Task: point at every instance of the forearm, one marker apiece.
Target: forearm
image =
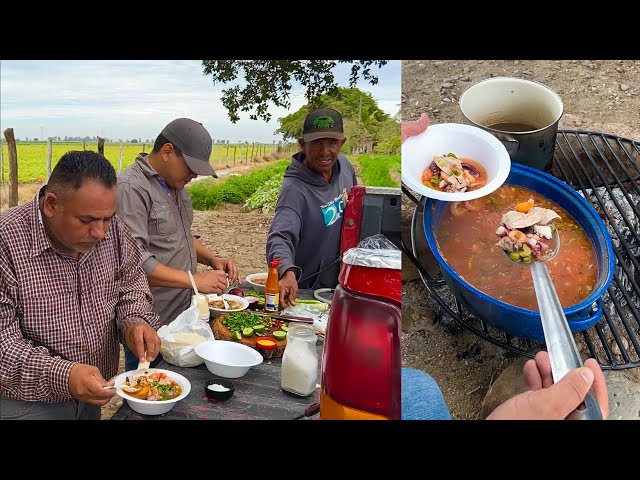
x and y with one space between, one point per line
203 254
283 238
163 276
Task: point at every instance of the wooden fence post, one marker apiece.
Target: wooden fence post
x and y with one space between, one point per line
227 159
234 155
101 146
13 167
120 163
84 145
143 148
49 155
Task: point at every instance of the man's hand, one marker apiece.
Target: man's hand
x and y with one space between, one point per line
228 265
143 341
86 384
545 400
288 289
414 127
211 281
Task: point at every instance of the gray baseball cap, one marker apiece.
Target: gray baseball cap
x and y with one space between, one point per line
195 143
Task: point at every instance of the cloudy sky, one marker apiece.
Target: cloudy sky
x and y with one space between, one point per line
135 99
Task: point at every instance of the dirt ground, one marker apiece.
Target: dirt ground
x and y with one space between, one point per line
601 96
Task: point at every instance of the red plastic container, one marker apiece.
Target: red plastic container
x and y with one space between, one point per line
361 360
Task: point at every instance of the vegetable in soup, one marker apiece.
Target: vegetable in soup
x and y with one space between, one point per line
467 240
448 173
156 386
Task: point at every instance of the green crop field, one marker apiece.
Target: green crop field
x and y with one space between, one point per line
32 156
378 171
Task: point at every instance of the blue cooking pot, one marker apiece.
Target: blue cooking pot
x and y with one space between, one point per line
517 321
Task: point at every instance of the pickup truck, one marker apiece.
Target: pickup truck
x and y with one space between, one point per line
361 362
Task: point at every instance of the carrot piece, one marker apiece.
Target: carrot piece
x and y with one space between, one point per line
524 207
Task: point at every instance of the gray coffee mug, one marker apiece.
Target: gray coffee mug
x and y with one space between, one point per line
522 114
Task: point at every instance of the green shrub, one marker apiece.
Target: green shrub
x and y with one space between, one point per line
210 193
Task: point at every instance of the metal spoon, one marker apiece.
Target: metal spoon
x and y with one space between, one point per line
561 346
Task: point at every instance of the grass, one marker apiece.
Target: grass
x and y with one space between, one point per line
210 193
375 171
32 163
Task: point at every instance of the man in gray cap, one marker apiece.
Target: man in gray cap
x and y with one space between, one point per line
155 206
306 229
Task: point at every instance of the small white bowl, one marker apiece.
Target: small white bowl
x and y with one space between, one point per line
250 280
464 141
148 407
228 359
227 297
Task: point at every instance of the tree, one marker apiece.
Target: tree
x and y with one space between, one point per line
269 81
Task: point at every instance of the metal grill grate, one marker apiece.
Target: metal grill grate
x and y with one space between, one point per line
604 169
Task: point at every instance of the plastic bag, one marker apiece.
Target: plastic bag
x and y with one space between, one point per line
320 319
377 242
180 337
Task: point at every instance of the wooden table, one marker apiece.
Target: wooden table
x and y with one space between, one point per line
257 394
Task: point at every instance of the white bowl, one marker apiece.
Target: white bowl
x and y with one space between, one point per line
148 407
228 359
258 288
464 141
227 297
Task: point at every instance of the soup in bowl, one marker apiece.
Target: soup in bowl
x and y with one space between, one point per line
463 238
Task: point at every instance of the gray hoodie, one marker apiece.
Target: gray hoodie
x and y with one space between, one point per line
306 230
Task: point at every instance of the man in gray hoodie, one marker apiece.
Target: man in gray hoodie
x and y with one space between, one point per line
306 230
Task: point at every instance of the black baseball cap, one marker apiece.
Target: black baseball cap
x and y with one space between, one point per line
323 123
195 143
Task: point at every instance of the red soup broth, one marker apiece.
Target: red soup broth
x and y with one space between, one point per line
467 236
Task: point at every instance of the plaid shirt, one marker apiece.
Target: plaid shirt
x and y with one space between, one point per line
56 310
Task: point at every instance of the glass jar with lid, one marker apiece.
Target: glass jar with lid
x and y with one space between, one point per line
300 360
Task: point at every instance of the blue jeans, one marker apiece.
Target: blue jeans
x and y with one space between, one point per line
131 361
421 397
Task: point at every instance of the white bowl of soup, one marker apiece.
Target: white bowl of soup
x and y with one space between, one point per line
234 303
481 164
153 391
257 281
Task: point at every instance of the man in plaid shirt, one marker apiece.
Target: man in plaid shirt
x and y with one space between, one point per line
72 289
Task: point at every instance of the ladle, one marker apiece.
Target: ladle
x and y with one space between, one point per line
561 345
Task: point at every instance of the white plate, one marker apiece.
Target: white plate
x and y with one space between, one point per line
227 297
462 140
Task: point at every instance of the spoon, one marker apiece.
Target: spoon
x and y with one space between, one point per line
561 346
